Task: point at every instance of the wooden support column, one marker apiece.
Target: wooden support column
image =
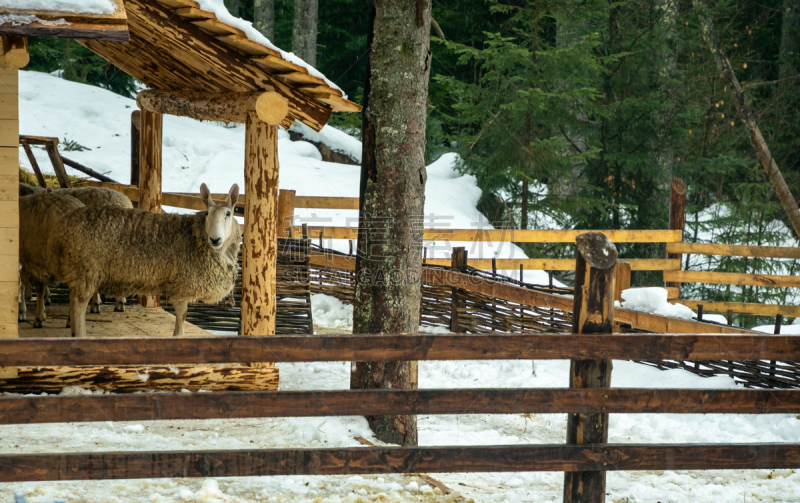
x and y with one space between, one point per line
593 313
260 246
286 205
150 136
58 164
9 201
15 52
458 262
677 219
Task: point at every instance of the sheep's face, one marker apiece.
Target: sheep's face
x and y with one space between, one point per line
219 220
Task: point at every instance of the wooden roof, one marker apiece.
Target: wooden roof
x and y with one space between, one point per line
80 25
174 45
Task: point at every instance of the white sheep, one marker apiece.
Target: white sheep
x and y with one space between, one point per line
89 196
40 215
129 251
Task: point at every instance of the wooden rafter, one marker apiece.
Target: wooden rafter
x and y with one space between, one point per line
169 52
75 25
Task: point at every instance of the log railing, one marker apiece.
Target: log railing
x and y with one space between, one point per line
373 460
727 278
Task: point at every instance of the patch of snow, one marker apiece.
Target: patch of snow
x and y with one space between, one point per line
654 300
20 19
134 428
305 149
75 6
330 312
792 329
219 9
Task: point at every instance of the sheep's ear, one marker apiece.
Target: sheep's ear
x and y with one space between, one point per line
206 195
233 196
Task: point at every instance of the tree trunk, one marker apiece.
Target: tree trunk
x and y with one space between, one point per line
264 17
790 40
304 32
233 7
389 262
748 116
665 148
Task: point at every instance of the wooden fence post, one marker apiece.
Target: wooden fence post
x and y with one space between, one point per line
285 212
136 120
593 313
623 279
150 133
458 262
677 219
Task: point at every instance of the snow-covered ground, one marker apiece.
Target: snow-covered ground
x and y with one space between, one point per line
197 152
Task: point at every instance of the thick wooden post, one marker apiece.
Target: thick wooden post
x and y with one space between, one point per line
285 213
593 313
458 262
260 247
677 218
150 135
136 120
623 279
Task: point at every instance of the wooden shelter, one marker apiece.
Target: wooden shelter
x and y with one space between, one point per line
196 66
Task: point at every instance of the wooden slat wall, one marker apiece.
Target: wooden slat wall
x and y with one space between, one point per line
9 204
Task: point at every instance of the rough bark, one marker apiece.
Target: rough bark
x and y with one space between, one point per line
790 39
747 115
304 31
264 17
389 262
232 6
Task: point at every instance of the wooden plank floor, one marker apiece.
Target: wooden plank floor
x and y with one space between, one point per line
136 321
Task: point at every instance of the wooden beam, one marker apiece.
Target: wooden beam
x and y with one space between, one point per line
114 33
58 165
593 313
623 279
286 205
34 163
151 127
561 264
260 249
734 250
732 278
15 52
252 404
381 460
742 307
269 106
305 348
130 378
512 235
87 170
136 122
336 203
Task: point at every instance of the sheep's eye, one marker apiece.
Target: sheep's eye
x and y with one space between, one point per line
227 214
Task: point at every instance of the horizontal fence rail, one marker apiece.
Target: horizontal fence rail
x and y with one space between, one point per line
252 404
391 347
734 250
383 460
732 278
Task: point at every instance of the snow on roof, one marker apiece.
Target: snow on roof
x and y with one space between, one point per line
61 6
219 9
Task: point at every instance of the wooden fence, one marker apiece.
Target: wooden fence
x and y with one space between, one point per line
671 265
599 457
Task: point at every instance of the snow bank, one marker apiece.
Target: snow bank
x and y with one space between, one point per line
330 312
337 141
654 300
76 6
218 8
793 329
